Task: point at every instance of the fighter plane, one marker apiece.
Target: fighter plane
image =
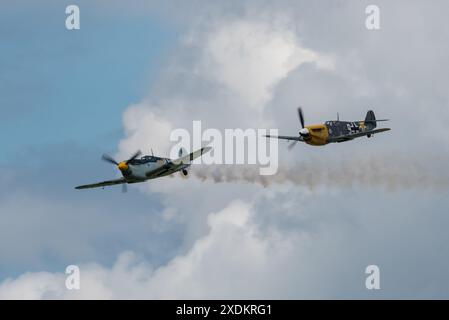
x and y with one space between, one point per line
334 131
136 170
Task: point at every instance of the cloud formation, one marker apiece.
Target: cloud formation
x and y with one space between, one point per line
282 244
381 201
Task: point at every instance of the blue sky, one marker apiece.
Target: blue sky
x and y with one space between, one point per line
62 95
59 85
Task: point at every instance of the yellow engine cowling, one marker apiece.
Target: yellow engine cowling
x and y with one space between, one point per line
319 135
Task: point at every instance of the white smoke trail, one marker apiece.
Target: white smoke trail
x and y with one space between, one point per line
398 173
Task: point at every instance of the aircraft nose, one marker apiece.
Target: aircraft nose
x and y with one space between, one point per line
123 166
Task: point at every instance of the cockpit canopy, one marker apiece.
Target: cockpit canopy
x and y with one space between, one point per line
145 159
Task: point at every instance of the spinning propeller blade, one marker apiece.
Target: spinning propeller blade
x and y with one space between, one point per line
135 155
109 159
291 145
301 117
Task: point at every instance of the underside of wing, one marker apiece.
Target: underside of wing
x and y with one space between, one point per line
102 184
164 170
357 135
290 138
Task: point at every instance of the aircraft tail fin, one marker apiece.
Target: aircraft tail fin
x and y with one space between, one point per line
371 121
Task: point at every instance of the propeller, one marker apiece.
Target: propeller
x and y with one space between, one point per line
291 145
122 166
109 159
301 117
135 155
304 130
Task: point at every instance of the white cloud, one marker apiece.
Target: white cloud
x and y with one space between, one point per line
205 270
251 56
246 58
247 70
281 245
146 128
32 286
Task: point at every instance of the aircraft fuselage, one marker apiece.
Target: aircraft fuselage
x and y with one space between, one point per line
142 169
322 134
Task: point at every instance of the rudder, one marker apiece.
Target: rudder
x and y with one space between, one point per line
370 119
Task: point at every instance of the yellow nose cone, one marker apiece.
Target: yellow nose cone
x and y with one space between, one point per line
123 166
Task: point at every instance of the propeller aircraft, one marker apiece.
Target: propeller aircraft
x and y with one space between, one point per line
334 131
135 170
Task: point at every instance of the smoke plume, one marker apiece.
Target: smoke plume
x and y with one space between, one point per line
392 174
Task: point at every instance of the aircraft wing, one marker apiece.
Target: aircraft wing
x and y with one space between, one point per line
297 138
357 135
166 169
175 165
190 157
102 184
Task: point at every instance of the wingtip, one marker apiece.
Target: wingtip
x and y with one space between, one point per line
206 149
